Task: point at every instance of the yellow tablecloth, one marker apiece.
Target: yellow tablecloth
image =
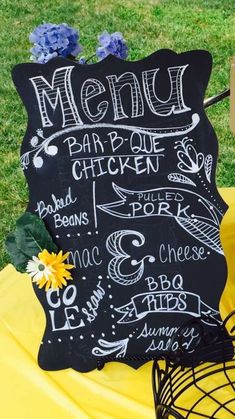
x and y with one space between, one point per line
27 392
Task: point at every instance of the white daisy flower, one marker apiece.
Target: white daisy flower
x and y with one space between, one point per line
38 269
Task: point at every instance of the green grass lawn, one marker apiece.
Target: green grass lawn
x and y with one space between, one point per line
147 26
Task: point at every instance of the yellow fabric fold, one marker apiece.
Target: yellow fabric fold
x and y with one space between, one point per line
116 392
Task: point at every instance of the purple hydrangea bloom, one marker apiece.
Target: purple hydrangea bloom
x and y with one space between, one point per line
113 43
52 40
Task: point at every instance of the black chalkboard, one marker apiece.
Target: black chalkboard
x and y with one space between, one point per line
120 160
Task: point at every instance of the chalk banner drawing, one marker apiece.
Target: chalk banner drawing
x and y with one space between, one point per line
120 161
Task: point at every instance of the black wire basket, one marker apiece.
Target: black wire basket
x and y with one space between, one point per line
198 382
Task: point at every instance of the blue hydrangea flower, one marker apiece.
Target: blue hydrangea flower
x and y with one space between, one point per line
52 40
113 43
82 60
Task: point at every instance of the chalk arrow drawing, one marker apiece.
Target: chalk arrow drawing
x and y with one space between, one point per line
204 226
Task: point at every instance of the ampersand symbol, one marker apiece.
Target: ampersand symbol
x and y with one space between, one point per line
114 246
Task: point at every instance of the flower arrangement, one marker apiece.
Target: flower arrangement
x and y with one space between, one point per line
49 269
32 250
50 40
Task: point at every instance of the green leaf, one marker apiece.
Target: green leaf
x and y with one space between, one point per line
18 258
32 236
29 238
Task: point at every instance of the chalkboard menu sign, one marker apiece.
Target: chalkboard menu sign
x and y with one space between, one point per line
120 161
